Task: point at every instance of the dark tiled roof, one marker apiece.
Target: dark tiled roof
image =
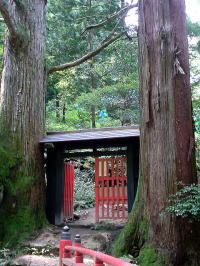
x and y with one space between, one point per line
91 134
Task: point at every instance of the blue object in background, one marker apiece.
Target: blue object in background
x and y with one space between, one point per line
103 114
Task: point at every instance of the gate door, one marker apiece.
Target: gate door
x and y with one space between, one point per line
69 190
111 188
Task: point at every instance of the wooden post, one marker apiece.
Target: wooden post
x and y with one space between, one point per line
64 241
78 255
133 171
59 161
55 185
51 184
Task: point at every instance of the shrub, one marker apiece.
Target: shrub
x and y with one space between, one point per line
185 203
84 189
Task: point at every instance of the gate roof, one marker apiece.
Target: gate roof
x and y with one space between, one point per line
91 134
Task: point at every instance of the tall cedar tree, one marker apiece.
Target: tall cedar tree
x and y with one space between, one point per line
166 136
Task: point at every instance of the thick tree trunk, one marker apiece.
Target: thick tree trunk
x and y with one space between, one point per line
166 136
22 101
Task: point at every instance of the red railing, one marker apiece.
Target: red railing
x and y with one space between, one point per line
74 255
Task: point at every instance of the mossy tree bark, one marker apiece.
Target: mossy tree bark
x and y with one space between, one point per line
166 137
22 108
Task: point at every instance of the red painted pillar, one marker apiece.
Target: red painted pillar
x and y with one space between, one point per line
78 255
64 241
98 262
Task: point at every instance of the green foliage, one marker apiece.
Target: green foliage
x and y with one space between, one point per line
198 155
46 251
84 189
148 257
194 47
104 225
129 258
185 203
2 33
65 42
75 119
66 22
120 100
193 28
6 257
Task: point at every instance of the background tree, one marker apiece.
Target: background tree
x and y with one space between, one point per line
83 26
194 49
116 77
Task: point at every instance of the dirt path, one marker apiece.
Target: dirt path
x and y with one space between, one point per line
87 218
43 247
35 260
46 242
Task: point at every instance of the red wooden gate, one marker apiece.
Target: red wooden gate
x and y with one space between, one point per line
111 188
69 190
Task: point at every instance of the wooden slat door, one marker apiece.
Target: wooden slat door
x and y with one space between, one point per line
68 209
111 188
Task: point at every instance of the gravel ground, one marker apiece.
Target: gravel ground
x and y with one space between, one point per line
51 236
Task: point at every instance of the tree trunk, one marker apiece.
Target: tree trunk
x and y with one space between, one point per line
166 136
22 102
64 113
57 109
93 115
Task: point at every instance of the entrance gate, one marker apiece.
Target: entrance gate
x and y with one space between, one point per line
111 188
68 206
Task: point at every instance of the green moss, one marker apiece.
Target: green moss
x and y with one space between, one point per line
143 231
18 226
148 257
23 182
20 210
120 247
9 160
134 234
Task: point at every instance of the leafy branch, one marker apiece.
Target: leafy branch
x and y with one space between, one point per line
111 17
185 203
85 57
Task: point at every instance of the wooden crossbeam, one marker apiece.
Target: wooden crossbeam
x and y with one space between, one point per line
94 154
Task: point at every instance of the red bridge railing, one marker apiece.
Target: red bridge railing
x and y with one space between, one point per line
74 255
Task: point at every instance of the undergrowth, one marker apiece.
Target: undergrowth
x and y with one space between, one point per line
84 187
185 203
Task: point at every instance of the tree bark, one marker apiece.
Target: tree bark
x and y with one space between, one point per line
166 136
22 101
64 113
57 108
